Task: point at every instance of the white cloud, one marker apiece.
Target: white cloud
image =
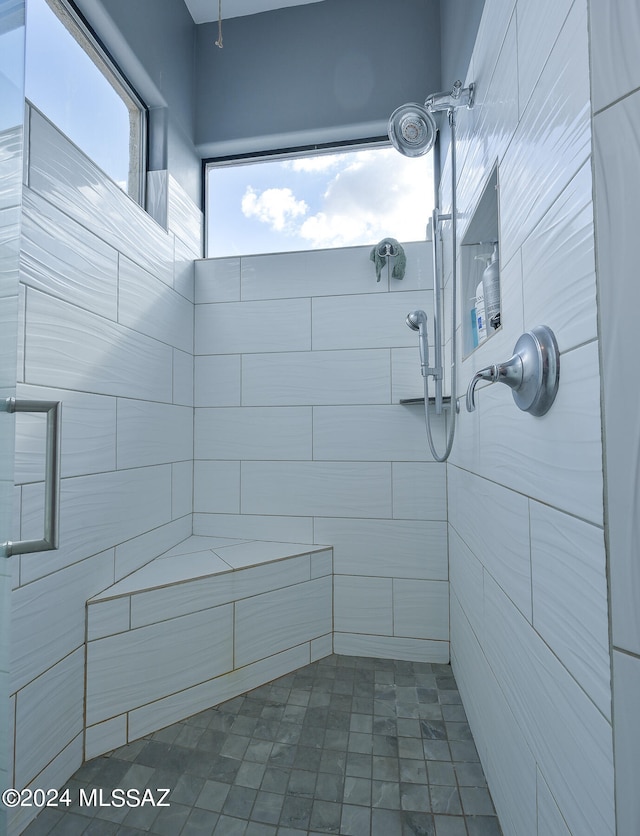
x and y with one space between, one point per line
368 200
368 195
276 207
319 162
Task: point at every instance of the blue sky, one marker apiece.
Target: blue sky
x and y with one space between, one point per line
64 83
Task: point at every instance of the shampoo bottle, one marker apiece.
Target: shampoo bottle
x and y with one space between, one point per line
480 314
491 290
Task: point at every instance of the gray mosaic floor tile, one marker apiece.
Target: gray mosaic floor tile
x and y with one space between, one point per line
347 745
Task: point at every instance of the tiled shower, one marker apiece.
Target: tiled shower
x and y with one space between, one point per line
259 398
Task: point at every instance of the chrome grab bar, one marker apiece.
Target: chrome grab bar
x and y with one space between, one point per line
52 475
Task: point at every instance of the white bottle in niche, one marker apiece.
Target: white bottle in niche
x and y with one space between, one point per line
491 290
480 315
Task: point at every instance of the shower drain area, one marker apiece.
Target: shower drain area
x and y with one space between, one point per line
204 622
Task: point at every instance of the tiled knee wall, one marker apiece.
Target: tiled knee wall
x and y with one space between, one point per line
158 653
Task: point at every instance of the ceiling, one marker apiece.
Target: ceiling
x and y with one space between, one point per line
204 11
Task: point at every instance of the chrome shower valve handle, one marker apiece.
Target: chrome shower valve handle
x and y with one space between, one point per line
533 372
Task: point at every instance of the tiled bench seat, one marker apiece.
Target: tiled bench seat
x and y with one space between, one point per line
204 622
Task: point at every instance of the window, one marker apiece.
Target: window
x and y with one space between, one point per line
71 79
312 200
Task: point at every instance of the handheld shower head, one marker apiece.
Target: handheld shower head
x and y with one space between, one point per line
412 130
417 321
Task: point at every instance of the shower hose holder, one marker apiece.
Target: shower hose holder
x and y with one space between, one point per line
533 372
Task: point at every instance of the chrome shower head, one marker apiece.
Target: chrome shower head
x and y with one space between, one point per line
412 130
415 319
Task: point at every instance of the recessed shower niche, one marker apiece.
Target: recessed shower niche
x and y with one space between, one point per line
480 263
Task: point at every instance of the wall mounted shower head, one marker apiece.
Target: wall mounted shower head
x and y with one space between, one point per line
417 321
412 130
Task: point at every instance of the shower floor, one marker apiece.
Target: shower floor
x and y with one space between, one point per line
348 745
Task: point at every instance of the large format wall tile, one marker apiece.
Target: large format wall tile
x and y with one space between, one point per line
615 34
62 174
556 458
363 605
184 271
563 727
138 550
391 647
152 433
88 434
617 207
421 609
558 264
185 703
237 327
419 490
550 818
216 485
182 489
276 621
369 433
320 273
406 379
289 529
37 642
508 762
166 602
73 349
569 589
386 548
44 726
502 546
553 138
217 280
133 668
217 379
96 512
538 27
253 433
60 257
182 376
466 576
338 489
485 132
626 679
147 305
371 321
316 377
54 774
184 218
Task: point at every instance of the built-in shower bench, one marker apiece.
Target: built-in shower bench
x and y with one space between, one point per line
200 624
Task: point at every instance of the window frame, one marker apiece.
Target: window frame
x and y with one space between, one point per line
85 36
294 152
